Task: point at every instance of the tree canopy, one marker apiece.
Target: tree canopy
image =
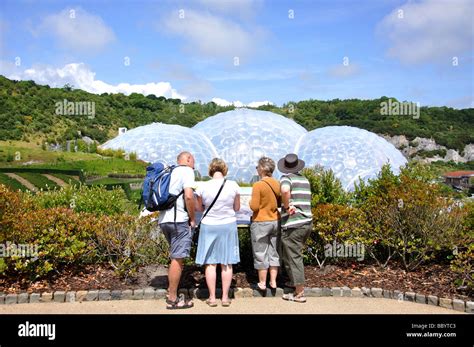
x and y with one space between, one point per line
27 111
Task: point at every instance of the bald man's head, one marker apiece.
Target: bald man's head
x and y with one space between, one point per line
185 158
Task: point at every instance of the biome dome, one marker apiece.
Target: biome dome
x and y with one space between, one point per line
163 142
350 152
243 136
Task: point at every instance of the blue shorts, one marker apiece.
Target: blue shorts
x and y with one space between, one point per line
179 237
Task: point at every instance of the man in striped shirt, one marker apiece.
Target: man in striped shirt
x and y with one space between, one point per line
296 222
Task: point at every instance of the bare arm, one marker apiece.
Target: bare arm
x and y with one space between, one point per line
237 203
199 206
285 196
189 201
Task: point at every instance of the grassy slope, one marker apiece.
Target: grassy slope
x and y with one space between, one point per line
66 178
92 164
11 183
38 180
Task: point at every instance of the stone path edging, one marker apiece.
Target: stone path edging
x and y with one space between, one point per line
151 293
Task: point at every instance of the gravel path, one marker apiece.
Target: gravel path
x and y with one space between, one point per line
322 305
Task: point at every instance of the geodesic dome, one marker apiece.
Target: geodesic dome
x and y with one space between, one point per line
163 142
243 136
350 152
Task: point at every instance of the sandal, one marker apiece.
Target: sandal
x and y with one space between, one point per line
211 303
175 305
296 298
226 303
262 288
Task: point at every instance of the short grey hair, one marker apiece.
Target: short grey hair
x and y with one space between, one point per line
267 165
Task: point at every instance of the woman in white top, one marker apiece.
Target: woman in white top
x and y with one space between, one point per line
218 239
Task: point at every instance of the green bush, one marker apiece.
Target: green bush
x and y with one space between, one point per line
63 237
57 237
334 225
408 217
127 243
463 262
92 199
325 187
245 249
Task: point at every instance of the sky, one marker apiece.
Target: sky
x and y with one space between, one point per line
246 52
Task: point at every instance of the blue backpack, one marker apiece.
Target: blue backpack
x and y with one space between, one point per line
155 194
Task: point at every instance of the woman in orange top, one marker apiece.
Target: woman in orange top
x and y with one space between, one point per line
265 228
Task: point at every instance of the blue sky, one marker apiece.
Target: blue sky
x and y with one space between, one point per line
248 51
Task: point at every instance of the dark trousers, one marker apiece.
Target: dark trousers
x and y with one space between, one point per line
293 241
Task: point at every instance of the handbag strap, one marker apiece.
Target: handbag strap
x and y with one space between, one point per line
212 203
276 196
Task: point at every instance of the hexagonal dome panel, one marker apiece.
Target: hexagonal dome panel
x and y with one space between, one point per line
350 152
163 142
243 136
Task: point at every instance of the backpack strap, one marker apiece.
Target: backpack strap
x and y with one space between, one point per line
212 203
176 205
175 208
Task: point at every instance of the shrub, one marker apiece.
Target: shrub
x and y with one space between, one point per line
245 249
463 262
64 236
10 204
334 225
111 152
325 187
60 237
408 216
127 243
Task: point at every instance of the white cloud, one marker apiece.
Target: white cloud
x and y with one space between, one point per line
259 103
429 30
223 102
80 76
214 36
244 8
344 71
77 29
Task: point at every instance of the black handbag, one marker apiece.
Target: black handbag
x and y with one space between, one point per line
198 227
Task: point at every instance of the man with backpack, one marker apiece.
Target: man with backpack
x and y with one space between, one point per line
177 224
